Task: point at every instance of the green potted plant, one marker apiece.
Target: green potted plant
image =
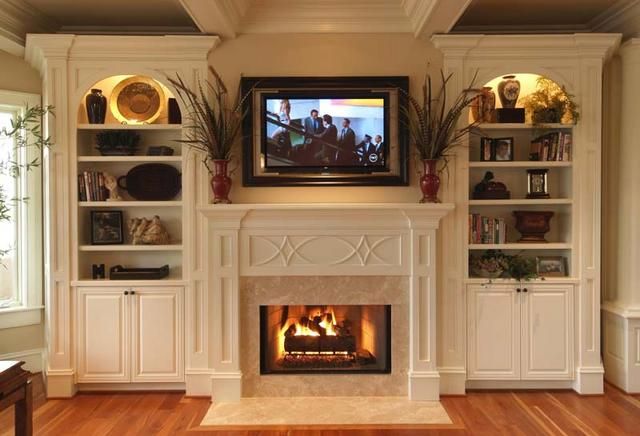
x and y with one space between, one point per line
26 132
213 127
550 103
521 268
432 125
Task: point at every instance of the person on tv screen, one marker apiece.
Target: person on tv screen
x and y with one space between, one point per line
313 123
362 148
375 154
284 116
347 143
328 136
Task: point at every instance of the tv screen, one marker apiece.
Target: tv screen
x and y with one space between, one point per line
345 132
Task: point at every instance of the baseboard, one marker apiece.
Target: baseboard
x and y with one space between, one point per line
424 386
226 387
452 380
519 384
131 387
33 359
198 383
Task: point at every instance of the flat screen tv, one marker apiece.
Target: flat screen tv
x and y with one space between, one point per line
325 131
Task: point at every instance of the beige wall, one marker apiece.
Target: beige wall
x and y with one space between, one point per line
17 75
326 55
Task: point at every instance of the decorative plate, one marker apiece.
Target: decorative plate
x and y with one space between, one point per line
137 100
152 182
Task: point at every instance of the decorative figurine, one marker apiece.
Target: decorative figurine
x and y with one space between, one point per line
489 190
148 232
111 183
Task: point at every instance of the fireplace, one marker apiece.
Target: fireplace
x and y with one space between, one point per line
316 339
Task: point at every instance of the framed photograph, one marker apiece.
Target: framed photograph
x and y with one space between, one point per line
107 227
310 131
502 149
551 266
486 149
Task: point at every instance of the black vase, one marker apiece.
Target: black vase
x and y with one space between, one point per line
96 104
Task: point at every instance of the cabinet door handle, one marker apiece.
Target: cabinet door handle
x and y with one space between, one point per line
133 292
126 292
518 289
525 290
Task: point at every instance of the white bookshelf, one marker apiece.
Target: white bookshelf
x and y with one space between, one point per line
131 248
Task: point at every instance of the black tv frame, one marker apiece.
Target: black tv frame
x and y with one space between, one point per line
254 174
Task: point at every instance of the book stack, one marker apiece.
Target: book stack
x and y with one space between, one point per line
554 146
486 230
91 186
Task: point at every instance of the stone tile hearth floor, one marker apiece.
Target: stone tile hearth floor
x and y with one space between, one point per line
325 411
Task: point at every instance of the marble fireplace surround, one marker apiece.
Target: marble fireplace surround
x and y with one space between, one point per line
251 250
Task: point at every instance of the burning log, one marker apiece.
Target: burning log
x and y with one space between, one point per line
317 344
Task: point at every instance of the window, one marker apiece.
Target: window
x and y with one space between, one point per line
21 236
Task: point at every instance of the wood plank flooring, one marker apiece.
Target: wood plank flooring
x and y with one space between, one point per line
477 413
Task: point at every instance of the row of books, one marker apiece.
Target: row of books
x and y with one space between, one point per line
91 186
486 230
554 146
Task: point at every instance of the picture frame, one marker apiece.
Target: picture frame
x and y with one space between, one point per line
551 266
282 148
486 149
107 227
503 149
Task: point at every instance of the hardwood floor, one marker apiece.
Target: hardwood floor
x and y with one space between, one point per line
478 413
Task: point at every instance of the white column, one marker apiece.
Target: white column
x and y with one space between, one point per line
424 379
50 55
222 263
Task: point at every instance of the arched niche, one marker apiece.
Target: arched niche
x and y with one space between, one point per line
107 85
528 85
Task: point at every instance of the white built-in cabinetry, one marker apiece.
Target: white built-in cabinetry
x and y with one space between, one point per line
548 336
520 332
130 334
125 334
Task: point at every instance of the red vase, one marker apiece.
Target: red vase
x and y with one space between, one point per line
220 182
430 181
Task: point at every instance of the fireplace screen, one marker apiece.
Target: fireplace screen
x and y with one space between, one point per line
325 339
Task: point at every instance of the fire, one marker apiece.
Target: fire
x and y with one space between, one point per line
308 326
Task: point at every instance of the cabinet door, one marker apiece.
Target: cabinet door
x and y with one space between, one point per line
493 333
102 327
547 332
157 334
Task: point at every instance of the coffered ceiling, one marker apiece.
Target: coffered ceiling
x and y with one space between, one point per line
230 18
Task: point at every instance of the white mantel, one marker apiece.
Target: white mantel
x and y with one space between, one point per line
382 239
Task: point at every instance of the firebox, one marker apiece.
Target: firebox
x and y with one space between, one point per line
325 339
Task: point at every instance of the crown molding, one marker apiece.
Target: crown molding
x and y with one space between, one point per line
41 47
618 18
599 45
434 16
219 17
17 18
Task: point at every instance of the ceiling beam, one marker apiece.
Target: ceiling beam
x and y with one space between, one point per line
16 20
429 17
219 17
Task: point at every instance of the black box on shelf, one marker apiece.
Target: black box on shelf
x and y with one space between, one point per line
510 115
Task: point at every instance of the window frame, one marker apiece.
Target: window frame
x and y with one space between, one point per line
30 256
